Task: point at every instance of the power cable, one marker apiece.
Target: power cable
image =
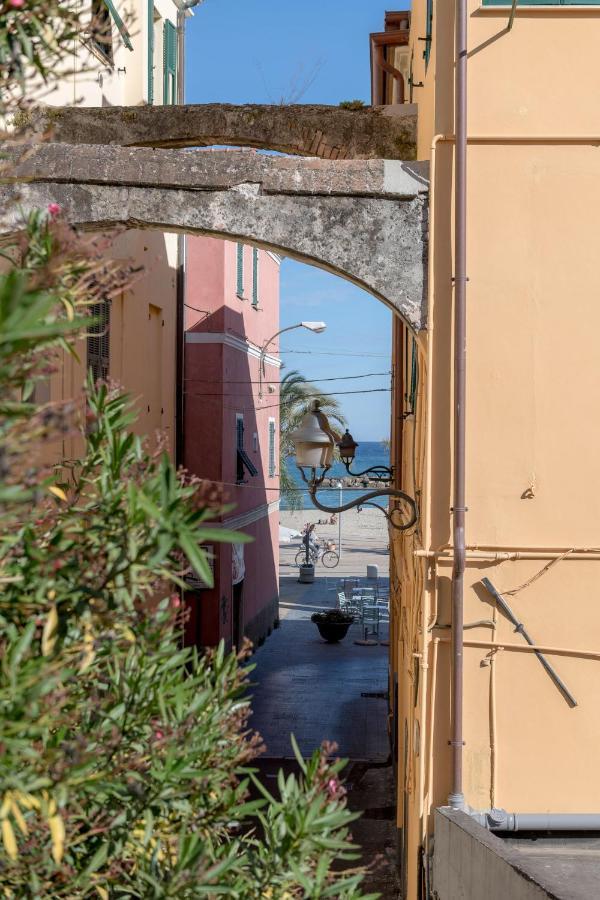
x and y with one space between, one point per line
335 353
333 378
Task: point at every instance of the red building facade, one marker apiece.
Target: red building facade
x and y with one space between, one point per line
231 430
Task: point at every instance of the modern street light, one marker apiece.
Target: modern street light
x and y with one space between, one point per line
317 327
315 443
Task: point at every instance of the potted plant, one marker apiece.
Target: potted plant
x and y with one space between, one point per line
333 624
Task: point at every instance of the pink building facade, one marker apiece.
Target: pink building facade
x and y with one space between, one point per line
231 430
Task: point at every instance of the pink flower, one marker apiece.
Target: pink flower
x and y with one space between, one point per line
159 735
17 4
53 208
332 786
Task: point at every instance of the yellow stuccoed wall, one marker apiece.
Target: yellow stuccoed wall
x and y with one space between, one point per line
533 429
143 318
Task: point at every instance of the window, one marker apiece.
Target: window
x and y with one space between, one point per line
255 277
239 428
240 271
101 30
428 32
243 460
98 342
169 64
150 52
411 374
271 448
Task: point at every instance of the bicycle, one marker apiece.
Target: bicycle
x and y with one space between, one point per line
329 558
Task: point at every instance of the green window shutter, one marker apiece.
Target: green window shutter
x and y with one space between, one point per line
150 52
271 448
169 64
254 276
240 271
126 37
414 376
428 32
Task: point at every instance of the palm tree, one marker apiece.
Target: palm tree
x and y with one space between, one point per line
296 398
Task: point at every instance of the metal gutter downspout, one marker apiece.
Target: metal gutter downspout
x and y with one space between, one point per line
456 798
183 6
180 276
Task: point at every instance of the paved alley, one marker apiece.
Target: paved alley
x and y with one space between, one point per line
317 690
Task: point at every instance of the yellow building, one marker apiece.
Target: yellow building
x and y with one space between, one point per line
128 56
532 424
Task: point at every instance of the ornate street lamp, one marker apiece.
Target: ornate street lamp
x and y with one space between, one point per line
315 443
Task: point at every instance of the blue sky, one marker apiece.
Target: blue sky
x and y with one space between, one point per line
262 51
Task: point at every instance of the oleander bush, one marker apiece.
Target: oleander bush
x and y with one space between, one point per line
126 760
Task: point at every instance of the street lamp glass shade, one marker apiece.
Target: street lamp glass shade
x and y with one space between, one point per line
314 447
317 327
347 447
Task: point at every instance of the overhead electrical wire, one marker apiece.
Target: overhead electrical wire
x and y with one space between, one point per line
336 353
255 408
270 381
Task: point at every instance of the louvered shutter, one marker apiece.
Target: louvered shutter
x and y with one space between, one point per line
98 342
254 276
169 64
271 448
150 52
240 270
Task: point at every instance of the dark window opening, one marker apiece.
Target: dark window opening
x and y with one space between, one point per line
101 30
98 342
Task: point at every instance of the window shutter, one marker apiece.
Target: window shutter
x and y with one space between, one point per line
254 276
98 342
271 448
428 32
150 52
240 271
169 63
125 36
413 379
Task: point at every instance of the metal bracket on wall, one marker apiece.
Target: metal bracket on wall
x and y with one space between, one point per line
521 629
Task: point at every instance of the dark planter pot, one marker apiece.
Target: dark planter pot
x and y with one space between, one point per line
332 632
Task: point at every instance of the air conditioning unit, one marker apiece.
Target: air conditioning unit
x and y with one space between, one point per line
194 581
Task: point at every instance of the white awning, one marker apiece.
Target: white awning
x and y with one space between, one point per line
287 535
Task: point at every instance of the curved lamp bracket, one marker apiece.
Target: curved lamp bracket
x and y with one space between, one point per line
314 483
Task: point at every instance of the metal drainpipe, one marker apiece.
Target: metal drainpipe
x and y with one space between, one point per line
180 277
500 820
456 798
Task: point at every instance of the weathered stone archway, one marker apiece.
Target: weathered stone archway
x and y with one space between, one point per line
363 220
328 132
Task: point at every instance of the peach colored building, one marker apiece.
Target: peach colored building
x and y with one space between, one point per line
533 392
130 58
231 426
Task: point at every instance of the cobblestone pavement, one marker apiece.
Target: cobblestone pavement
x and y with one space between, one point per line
330 691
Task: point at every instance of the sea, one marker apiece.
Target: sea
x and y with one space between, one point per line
369 453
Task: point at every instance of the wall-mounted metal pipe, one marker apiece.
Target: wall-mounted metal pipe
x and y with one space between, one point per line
524 648
456 798
501 820
505 555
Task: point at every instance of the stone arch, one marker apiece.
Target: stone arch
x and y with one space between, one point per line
328 132
364 221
